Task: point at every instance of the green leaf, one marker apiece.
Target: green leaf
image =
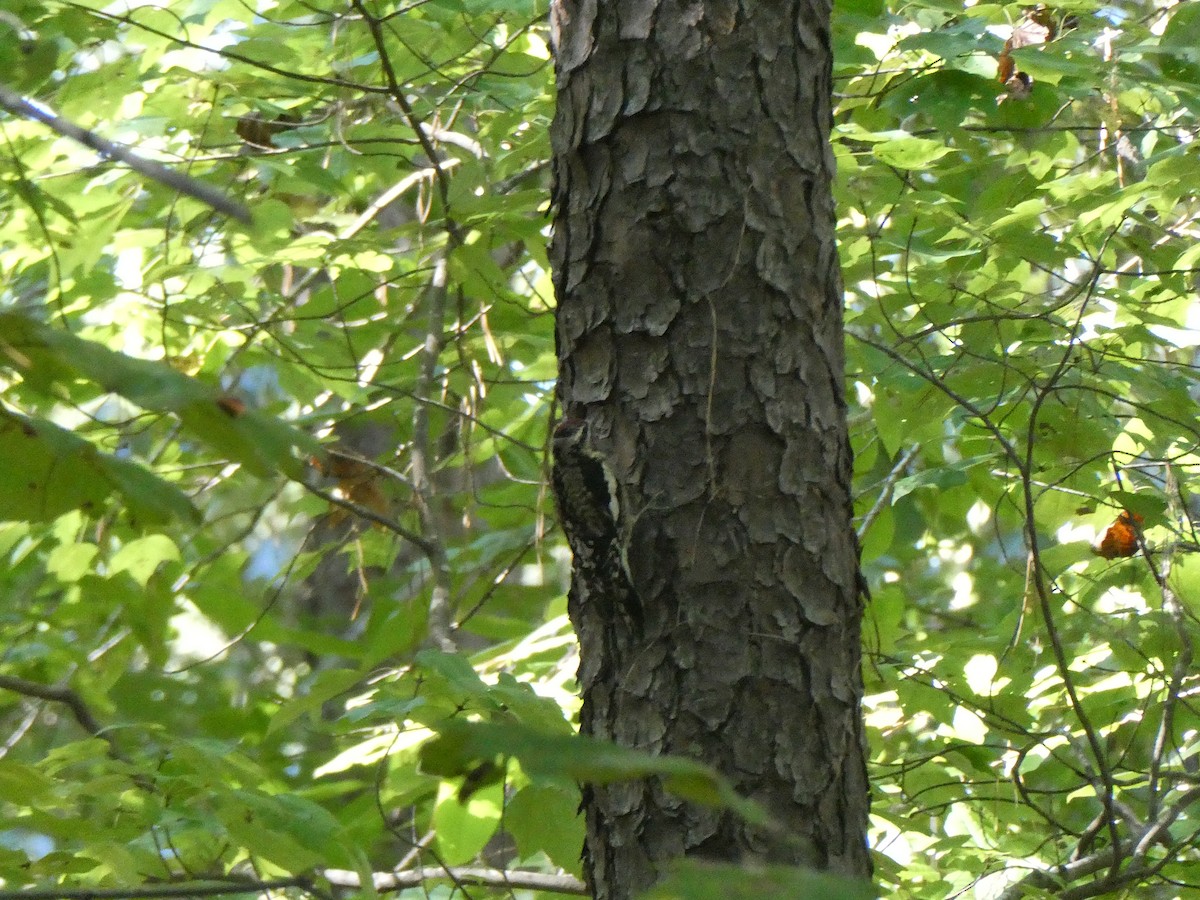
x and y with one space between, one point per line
22 784
546 818
907 152
689 880
460 746
327 686
141 557
46 470
464 826
70 562
48 357
289 831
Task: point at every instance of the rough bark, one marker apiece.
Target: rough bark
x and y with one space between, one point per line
699 333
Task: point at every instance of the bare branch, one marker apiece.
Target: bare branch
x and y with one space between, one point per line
176 181
63 695
394 881
342 878
173 889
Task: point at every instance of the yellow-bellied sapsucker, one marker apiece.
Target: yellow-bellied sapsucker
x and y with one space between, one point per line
585 491
589 510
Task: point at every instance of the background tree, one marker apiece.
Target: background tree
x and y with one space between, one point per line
283 598
699 334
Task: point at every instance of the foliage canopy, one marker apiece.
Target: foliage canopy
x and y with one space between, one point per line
248 472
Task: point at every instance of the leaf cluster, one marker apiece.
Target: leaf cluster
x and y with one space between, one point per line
1021 278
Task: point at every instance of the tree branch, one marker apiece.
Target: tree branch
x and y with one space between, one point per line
398 95
421 455
1060 877
394 881
381 881
176 181
885 490
141 891
427 547
63 695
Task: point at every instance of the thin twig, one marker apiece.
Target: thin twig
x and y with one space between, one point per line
1183 659
227 54
885 492
1042 588
427 547
398 95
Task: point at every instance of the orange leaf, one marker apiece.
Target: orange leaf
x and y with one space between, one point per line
1121 538
231 406
367 494
357 481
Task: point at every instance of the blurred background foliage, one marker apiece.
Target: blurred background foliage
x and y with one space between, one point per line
273 503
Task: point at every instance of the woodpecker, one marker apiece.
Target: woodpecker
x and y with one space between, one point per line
589 509
585 491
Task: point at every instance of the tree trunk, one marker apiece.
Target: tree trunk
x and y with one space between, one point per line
699 336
